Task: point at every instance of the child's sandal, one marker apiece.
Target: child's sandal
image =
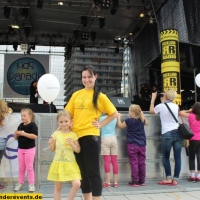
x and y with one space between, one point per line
106 185
115 185
174 182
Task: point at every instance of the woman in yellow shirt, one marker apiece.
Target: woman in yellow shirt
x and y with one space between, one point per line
86 106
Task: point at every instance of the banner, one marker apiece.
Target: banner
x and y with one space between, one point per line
20 71
9 162
170 62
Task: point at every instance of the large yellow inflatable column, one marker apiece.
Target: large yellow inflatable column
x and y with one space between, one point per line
170 62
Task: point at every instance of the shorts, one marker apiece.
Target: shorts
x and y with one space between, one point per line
109 145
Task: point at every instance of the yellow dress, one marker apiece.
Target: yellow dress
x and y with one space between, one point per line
64 166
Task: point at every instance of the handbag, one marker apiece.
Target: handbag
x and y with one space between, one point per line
183 129
185 143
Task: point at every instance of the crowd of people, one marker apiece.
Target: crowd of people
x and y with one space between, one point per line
83 134
144 97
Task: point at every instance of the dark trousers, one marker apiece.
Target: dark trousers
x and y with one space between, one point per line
137 158
145 104
1 154
33 99
194 149
88 161
2 147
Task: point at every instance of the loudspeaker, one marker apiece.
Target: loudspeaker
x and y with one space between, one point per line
36 108
121 103
16 107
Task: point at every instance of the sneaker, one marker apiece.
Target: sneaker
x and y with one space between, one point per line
18 187
133 184
192 179
198 179
115 185
106 185
141 184
31 188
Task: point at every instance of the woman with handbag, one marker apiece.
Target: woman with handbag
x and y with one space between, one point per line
193 116
170 135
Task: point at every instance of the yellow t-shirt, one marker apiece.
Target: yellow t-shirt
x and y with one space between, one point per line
64 152
81 107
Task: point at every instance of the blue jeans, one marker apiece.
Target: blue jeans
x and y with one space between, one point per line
169 140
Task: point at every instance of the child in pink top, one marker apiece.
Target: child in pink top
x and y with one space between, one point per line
194 126
193 116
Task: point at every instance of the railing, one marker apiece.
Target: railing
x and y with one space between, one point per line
47 124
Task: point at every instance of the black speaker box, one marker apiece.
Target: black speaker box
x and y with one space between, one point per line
121 103
36 108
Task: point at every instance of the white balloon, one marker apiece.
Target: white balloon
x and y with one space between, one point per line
197 80
48 87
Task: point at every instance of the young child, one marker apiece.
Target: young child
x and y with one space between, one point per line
64 166
193 116
109 150
5 112
26 134
136 143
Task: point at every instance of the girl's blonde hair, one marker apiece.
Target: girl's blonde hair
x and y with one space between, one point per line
30 112
137 111
4 110
64 113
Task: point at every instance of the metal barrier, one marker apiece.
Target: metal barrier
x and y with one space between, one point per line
47 124
154 169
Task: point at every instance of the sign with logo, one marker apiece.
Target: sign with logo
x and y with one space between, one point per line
121 101
169 51
170 81
20 71
170 62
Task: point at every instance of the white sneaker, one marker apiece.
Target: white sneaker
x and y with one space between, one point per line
18 187
31 188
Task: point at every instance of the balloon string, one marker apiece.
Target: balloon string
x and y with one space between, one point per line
51 126
50 107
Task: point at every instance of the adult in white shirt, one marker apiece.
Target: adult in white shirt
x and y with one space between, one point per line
170 135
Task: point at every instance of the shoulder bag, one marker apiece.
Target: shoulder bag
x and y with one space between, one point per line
183 129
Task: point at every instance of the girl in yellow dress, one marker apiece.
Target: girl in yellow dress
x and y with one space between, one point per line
64 167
